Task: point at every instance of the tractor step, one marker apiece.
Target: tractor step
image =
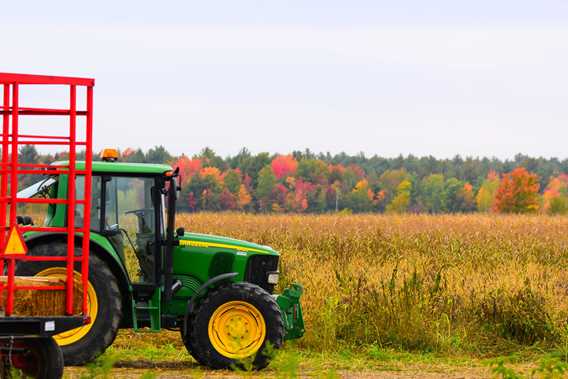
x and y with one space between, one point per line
143 291
146 304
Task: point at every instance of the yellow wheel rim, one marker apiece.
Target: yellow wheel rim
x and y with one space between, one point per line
237 329
74 335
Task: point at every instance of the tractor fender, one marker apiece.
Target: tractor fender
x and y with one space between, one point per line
106 253
202 291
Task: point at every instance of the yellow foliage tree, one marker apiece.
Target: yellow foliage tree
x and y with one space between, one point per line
401 201
486 194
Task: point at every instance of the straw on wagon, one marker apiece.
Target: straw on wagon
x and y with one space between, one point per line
41 302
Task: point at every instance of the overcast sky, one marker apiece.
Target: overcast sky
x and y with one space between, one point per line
438 77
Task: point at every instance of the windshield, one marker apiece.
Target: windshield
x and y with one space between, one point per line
40 187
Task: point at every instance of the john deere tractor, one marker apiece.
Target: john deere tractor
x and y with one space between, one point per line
145 273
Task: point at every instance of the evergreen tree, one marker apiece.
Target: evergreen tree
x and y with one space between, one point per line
233 181
28 154
158 154
265 188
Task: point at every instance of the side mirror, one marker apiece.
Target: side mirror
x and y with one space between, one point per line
112 230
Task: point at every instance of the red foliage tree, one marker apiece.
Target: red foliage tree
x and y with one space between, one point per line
283 166
280 193
517 192
228 200
187 167
298 200
358 170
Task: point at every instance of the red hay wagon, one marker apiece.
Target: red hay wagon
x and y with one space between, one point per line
26 342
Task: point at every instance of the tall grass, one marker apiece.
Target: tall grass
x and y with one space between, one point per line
473 283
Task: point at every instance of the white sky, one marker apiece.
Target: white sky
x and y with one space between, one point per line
439 78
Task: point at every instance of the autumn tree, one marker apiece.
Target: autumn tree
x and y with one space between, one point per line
360 199
486 194
187 168
467 198
192 192
283 166
243 198
280 197
517 192
389 181
351 176
298 200
458 196
335 173
313 171
204 190
432 193
228 200
555 197
401 202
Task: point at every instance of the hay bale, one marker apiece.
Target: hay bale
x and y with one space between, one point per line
41 302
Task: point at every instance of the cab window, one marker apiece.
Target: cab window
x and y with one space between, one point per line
95 202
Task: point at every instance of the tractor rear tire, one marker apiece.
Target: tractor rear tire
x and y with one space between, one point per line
235 326
80 349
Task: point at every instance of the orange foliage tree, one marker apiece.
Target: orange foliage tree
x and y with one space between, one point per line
517 192
244 198
467 196
212 172
555 197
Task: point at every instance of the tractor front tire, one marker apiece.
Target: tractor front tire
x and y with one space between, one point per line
235 326
84 344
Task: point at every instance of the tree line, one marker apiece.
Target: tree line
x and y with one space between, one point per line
303 181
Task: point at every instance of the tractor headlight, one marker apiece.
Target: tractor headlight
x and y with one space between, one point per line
273 277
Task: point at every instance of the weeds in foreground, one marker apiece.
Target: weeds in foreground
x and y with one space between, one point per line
100 368
548 368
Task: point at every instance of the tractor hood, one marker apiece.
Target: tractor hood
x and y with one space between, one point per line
212 241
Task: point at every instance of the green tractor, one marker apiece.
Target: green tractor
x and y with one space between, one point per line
145 273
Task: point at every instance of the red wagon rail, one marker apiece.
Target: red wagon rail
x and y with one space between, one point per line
12 138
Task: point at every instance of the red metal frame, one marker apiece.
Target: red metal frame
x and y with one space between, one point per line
10 169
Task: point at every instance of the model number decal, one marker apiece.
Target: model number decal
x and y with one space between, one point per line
242 250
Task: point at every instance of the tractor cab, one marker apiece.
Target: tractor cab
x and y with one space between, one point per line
127 208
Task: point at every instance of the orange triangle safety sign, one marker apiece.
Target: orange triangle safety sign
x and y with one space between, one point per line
15 244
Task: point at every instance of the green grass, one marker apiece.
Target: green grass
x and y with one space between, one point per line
292 362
